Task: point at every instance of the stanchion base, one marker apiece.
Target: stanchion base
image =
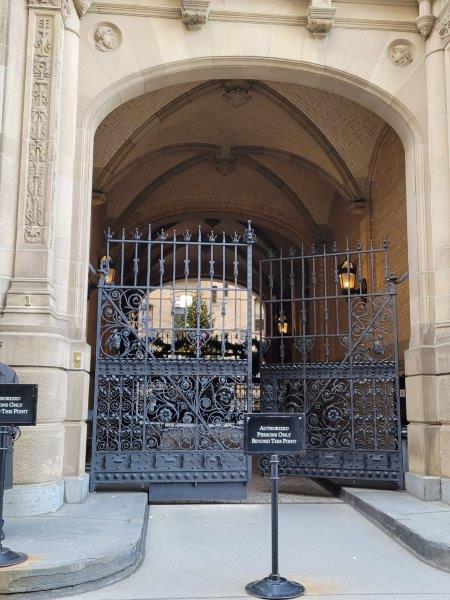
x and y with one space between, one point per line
9 557
276 588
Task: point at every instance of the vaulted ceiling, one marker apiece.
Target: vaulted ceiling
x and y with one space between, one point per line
288 157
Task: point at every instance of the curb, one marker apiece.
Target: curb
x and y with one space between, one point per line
432 552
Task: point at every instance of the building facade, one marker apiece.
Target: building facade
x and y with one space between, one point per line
318 120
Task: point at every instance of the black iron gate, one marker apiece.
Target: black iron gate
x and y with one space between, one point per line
329 349
174 364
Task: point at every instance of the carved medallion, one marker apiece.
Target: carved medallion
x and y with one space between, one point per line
401 53
237 96
107 37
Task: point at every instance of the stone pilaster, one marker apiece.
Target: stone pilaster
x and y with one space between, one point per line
35 320
32 290
428 360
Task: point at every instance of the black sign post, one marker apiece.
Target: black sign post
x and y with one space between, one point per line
18 404
274 434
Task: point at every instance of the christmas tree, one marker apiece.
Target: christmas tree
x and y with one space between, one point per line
199 309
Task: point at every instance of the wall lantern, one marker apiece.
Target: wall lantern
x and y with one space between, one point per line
282 324
347 277
347 280
108 267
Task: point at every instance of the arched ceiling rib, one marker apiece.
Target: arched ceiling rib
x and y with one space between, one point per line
297 155
291 197
215 90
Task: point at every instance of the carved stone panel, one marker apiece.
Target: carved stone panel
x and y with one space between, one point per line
43 128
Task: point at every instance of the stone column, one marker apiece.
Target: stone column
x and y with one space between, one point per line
34 325
428 360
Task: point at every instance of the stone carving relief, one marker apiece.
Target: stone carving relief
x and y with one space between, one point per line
194 13
82 6
225 161
107 37
320 17
38 150
401 53
444 31
425 24
65 6
45 3
237 93
358 207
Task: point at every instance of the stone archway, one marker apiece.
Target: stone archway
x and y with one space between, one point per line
197 154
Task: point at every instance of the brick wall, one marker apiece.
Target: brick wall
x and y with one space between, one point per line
386 218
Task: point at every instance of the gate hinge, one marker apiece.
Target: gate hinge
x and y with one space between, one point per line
397 280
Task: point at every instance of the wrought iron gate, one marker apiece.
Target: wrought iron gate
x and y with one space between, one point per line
172 381
329 349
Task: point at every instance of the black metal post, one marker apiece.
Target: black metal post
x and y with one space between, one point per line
274 478
274 587
7 557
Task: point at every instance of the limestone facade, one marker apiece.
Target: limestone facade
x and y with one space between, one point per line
336 112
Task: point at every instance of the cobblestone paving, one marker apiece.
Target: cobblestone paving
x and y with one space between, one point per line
292 489
297 490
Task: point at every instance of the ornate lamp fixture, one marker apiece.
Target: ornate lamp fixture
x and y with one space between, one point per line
108 268
347 277
282 323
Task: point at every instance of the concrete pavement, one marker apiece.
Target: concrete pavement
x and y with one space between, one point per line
200 552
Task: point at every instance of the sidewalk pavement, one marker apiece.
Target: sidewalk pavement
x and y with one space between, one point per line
200 552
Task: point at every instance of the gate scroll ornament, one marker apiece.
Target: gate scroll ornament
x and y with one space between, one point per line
169 394
332 354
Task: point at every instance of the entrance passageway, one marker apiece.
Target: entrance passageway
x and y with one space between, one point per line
200 552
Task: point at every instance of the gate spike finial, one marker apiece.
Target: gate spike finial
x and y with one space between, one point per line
109 234
199 233
334 248
149 231
123 233
249 234
187 236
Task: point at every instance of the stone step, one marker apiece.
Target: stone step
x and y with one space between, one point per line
79 547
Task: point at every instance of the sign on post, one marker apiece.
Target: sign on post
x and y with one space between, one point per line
274 434
18 407
18 404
